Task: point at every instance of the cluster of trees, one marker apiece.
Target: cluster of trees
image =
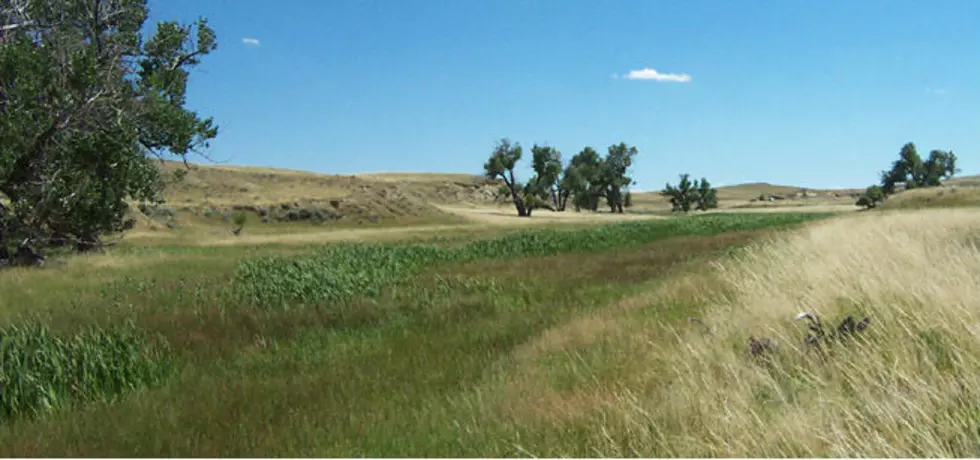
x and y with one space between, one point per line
585 181
909 169
698 194
87 104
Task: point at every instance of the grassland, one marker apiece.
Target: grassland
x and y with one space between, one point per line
464 333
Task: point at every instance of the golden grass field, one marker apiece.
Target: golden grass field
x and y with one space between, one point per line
910 390
550 351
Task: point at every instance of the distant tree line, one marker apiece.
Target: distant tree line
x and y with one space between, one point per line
911 171
587 181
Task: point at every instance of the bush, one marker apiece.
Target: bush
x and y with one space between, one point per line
872 196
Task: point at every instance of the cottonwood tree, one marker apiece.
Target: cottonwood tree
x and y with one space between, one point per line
698 194
614 169
586 184
86 106
916 173
585 180
707 195
501 165
546 184
682 196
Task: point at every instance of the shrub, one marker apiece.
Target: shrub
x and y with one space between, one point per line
872 196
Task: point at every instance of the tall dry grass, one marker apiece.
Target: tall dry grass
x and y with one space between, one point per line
910 388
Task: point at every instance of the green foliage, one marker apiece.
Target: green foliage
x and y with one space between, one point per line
698 194
41 372
586 179
546 162
346 271
238 218
613 174
79 126
871 197
915 173
501 166
628 200
707 195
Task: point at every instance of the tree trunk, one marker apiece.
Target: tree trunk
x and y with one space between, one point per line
88 246
4 247
522 210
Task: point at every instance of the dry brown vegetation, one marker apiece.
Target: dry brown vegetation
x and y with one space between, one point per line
908 390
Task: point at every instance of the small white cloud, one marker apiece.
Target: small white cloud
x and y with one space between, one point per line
650 74
937 91
251 41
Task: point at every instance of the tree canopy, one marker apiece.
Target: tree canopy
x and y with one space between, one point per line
698 194
911 170
586 179
87 105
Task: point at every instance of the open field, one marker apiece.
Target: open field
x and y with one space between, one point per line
467 331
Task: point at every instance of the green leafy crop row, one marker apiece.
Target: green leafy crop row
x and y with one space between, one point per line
345 271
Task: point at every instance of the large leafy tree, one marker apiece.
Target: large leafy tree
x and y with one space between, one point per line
501 165
584 179
687 194
916 173
707 196
87 105
683 195
546 184
615 167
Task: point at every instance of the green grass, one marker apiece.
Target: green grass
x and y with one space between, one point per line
41 372
397 341
341 272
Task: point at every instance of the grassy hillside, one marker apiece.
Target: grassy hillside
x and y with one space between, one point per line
957 192
285 195
287 205
201 204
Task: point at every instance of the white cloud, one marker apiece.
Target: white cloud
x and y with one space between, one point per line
650 74
251 41
938 91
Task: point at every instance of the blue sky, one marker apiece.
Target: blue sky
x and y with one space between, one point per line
816 93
